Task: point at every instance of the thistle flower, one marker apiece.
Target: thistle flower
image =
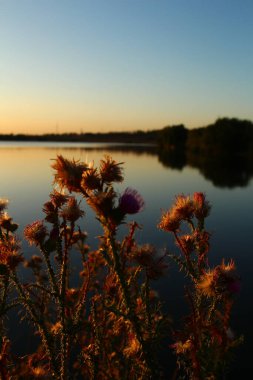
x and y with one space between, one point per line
35 262
38 372
35 232
71 211
51 212
155 263
102 202
182 347
170 221
133 347
131 202
6 222
110 170
207 284
201 205
90 180
222 280
3 204
183 207
56 328
10 252
231 279
68 173
58 199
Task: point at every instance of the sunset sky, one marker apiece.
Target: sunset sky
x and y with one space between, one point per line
104 65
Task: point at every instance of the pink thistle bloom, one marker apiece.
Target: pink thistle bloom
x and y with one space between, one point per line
131 202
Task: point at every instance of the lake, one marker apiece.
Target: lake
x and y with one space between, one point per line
26 180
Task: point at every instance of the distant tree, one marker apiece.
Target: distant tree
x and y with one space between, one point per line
224 137
173 137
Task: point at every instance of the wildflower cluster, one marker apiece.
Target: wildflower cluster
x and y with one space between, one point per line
111 324
204 344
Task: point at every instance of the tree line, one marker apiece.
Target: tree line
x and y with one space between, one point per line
225 137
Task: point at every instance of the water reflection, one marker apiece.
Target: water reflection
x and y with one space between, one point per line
222 171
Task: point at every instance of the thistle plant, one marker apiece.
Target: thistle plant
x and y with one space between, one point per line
111 325
108 327
204 344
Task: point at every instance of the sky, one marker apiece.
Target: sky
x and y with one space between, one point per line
123 65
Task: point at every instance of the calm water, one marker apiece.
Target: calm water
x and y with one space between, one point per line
26 180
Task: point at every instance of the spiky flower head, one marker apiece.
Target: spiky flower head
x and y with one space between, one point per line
182 347
133 347
10 252
170 221
131 202
58 198
68 173
183 206
222 280
102 202
153 261
39 372
3 204
71 211
7 223
110 170
91 179
35 232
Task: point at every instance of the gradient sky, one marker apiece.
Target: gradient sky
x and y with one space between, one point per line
104 65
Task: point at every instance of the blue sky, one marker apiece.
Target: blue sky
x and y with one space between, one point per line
103 65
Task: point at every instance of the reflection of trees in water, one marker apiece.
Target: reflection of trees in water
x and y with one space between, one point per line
222 171
172 159
223 151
